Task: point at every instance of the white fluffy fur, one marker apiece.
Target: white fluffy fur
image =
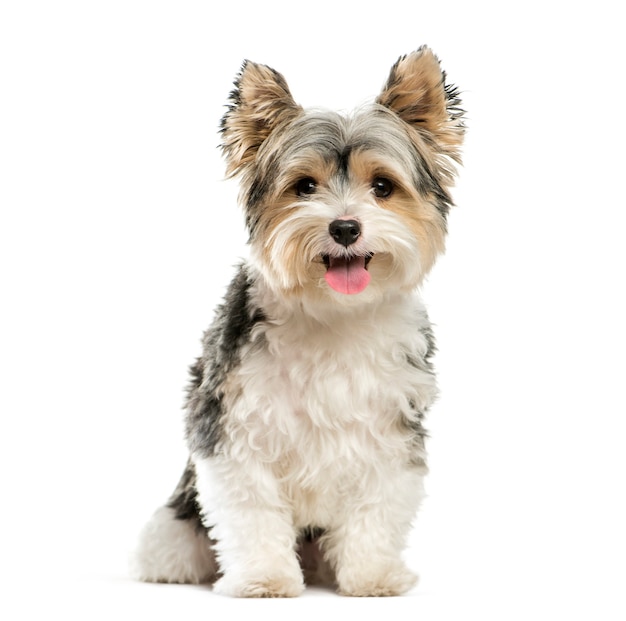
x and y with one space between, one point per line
343 464
171 550
314 439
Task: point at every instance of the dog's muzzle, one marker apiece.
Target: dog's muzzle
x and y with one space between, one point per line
346 274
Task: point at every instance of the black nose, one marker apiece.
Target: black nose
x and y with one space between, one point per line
345 232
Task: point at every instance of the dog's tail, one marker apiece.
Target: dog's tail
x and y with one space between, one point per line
174 546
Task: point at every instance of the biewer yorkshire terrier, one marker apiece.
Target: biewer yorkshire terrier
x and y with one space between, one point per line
304 414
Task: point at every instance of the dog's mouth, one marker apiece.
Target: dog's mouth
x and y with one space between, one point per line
347 275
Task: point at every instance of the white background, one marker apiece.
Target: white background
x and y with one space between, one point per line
118 236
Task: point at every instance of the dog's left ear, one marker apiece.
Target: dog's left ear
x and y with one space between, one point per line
260 102
417 92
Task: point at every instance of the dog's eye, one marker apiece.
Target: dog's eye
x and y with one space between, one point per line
382 187
306 186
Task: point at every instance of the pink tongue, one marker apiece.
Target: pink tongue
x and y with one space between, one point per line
348 275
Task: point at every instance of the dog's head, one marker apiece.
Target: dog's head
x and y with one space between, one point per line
340 205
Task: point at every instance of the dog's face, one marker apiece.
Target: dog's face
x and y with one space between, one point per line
341 205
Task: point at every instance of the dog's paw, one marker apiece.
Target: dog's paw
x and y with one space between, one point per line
378 582
277 586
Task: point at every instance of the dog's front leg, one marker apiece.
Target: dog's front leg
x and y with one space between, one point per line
366 542
252 527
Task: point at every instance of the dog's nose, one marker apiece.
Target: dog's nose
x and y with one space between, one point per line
345 232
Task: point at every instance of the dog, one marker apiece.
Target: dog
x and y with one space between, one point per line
304 414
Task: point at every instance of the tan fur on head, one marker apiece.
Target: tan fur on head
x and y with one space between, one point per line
418 213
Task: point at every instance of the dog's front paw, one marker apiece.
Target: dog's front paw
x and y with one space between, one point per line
382 581
262 586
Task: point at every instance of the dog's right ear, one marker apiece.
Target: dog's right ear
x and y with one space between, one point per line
259 103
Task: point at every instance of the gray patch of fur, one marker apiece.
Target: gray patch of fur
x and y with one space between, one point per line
222 344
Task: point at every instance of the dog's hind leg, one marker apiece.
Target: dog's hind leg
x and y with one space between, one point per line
174 545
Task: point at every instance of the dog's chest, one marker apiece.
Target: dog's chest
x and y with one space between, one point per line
330 410
302 395
331 374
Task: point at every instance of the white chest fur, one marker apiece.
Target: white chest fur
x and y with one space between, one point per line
321 405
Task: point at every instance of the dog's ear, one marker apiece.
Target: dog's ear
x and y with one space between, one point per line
259 103
417 92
